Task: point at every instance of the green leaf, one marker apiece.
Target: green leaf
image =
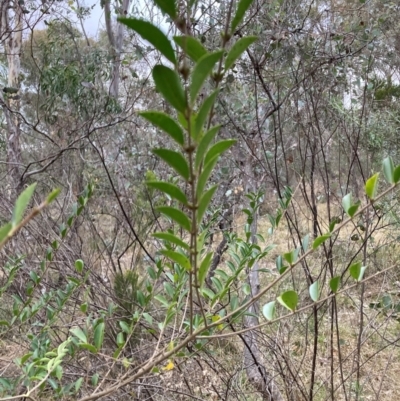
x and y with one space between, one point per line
95 379
53 383
152 34
99 335
162 300
53 195
148 318
125 327
234 302
89 347
288 257
173 239
269 310
291 257
177 258
207 292
191 46
79 265
396 175
201 71
4 231
205 175
289 300
388 170
120 339
176 215
314 291
202 114
218 148
204 202
335 220
78 384
334 283
21 204
35 278
204 144
78 332
166 123
243 6
279 265
175 160
172 190
353 209
203 269
168 7
371 186
237 50
168 84
357 271
349 207
320 240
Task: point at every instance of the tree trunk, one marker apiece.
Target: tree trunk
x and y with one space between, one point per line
115 40
257 374
12 36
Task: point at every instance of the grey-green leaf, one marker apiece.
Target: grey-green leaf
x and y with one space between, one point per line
304 242
388 170
314 291
21 204
152 34
269 310
166 123
175 160
347 202
176 215
168 84
201 71
237 50
79 333
191 46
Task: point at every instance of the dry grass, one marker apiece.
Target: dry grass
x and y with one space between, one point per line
291 340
